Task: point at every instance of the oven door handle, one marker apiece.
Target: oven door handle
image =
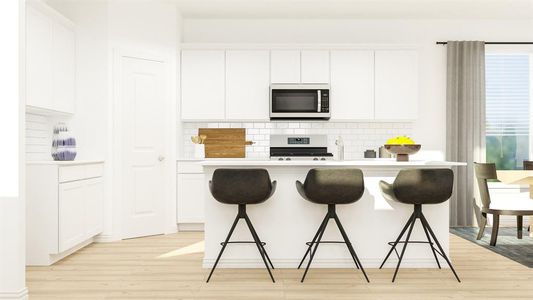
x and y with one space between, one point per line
319 105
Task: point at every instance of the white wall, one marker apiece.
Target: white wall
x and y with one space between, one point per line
430 128
103 29
12 201
148 27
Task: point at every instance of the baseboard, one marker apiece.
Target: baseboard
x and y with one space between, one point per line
106 238
19 295
325 263
190 227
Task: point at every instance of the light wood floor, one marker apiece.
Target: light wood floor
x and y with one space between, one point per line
169 267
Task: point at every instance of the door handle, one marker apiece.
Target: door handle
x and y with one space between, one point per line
161 158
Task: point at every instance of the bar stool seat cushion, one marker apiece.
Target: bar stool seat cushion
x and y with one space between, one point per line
419 186
241 186
332 186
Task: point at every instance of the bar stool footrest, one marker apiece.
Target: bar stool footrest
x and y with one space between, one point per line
325 242
242 242
415 242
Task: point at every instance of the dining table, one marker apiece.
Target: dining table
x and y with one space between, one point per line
518 177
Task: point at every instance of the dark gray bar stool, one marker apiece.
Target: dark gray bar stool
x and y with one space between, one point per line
418 187
242 187
331 187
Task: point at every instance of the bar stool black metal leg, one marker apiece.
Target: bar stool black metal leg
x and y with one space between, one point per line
349 245
258 244
404 247
430 244
224 246
326 219
262 246
316 247
254 233
426 223
398 239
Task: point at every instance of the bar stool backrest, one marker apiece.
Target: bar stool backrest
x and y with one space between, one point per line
334 185
528 165
423 186
241 186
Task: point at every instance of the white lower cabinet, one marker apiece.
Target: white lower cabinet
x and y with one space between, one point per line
191 191
71 214
65 209
94 206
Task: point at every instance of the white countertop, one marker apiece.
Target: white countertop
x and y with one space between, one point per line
64 163
377 162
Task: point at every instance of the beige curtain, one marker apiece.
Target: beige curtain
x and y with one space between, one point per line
465 122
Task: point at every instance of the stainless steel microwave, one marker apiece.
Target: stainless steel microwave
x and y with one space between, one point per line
299 101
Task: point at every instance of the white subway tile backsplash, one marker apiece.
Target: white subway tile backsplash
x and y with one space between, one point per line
357 136
294 125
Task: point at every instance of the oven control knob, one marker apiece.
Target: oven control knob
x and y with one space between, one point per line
281 158
316 158
288 158
323 158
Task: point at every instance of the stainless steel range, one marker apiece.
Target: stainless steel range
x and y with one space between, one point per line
299 147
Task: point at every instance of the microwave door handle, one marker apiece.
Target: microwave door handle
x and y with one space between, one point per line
319 99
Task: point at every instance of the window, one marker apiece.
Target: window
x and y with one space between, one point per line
508 102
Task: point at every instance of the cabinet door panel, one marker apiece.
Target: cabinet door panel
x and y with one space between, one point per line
94 206
396 85
71 214
247 84
352 85
63 68
191 189
315 66
38 59
285 66
202 84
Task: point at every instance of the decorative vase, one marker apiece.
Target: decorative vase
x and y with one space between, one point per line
63 144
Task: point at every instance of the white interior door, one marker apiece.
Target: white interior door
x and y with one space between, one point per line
143 132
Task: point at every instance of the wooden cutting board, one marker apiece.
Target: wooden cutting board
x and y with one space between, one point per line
224 142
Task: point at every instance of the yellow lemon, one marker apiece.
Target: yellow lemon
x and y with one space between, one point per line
400 140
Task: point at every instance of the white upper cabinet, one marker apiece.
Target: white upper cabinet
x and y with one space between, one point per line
64 68
366 84
38 59
50 60
285 66
247 84
396 86
315 66
352 85
202 85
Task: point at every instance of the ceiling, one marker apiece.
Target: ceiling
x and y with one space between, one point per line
360 9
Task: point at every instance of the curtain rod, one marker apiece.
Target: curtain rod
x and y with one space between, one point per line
496 43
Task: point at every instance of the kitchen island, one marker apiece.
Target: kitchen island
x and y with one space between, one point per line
286 221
